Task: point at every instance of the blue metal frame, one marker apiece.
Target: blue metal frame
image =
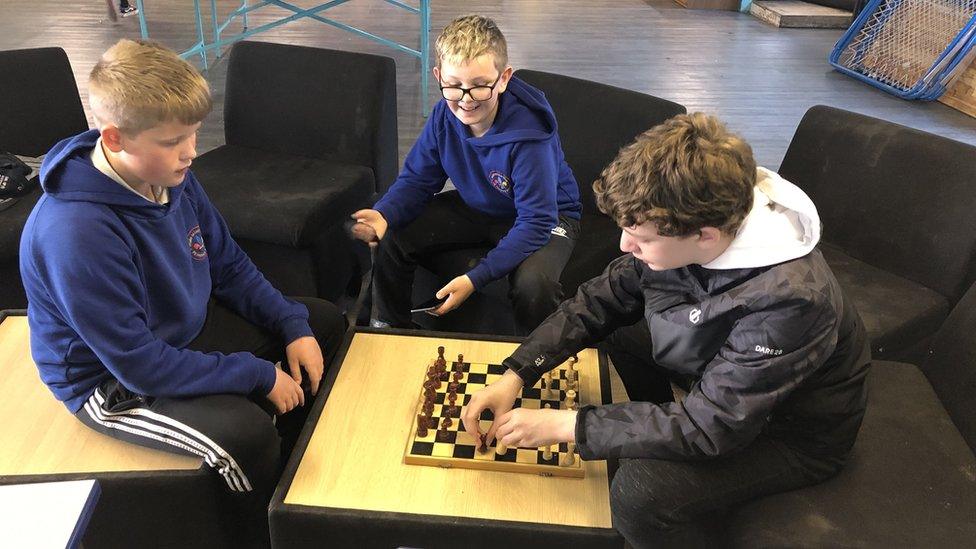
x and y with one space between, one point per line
218 41
933 83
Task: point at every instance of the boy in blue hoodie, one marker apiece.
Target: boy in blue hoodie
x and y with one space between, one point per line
147 320
495 137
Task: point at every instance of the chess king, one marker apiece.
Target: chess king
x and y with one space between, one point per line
722 291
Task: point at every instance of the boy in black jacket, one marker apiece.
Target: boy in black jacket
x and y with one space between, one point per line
723 291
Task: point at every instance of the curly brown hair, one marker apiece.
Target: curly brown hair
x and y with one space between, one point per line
685 174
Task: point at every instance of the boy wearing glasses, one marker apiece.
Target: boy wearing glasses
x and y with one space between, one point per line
495 137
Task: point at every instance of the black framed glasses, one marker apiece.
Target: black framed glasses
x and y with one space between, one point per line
476 93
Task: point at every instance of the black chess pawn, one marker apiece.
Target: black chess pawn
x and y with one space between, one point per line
422 426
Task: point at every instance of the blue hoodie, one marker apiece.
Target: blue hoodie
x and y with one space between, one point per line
118 286
516 170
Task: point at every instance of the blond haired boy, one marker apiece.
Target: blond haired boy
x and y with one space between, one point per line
732 300
495 137
147 320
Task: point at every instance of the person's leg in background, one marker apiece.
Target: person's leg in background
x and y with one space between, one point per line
669 503
127 9
447 224
534 286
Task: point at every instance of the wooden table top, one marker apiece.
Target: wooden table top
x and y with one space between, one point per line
40 436
354 459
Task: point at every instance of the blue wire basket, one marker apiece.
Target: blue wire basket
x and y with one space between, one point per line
909 48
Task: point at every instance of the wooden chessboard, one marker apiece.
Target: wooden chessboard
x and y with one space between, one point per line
453 447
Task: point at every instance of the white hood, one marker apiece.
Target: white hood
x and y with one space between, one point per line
782 225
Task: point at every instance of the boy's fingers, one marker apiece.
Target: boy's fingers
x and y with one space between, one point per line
296 370
314 381
470 419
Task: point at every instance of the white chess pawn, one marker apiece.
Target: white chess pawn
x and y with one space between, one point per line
570 457
500 448
547 452
570 399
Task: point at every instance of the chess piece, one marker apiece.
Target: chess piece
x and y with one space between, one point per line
452 387
440 364
443 435
483 446
571 380
570 458
421 426
447 423
458 375
548 406
459 365
547 452
500 448
570 399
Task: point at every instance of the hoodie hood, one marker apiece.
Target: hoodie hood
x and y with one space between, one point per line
782 225
67 173
523 115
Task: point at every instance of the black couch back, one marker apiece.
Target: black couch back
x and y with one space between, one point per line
39 106
951 366
900 199
39 102
595 121
346 114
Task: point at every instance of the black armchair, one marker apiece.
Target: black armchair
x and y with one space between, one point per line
595 121
311 136
897 206
911 478
39 106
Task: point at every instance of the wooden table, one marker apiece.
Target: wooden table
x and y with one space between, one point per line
347 485
167 499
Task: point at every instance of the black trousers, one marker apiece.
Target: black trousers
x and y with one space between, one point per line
236 435
662 503
450 224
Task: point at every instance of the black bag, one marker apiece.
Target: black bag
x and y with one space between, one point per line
14 177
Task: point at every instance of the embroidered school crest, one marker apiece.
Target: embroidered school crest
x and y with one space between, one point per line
500 182
195 239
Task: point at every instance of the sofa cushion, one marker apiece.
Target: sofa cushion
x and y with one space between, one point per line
896 311
910 481
280 198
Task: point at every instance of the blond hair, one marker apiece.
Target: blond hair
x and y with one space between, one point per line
137 85
688 173
469 37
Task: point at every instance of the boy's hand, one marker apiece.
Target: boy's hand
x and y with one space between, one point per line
304 352
497 397
286 393
374 221
456 292
534 428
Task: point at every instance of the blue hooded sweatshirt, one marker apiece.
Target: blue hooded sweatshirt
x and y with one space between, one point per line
516 170
118 286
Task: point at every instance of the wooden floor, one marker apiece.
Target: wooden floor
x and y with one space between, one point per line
758 78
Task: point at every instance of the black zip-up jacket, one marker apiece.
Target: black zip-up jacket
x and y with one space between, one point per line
776 349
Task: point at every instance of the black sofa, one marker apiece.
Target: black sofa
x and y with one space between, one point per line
898 207
39 106
300 156
911 478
